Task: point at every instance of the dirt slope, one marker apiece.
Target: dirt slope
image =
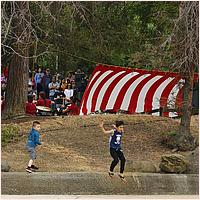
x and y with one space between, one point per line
77 143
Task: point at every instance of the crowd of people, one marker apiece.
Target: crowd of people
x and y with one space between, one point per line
51 94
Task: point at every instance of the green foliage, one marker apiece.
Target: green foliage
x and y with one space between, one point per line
9 133
116 33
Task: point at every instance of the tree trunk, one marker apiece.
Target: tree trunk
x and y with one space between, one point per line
16 93
186 34
185 141
17 86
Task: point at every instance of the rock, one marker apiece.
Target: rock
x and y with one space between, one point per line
4 166
173 163
174 150
140 166
193 160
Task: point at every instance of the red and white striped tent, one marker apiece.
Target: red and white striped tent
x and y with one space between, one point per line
131 90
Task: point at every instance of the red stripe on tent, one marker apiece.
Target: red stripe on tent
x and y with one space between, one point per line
135 94
87 97
179 101
87 91
122 92
151 92
165 94
96 93
110 89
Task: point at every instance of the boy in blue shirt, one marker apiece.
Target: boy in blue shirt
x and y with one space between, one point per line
32 142
115 147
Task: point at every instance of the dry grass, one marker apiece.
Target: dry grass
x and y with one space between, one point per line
77 143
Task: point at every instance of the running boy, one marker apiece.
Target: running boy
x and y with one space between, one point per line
115 147
32 142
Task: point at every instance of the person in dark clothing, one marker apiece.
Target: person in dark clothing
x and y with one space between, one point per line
115 147
45 82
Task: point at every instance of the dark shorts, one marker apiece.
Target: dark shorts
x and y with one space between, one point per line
32 152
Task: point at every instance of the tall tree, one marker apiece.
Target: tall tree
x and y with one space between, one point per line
19 30
185 42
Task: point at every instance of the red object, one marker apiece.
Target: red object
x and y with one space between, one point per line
5 71
40 102
132 90
30 108
73 109
2 105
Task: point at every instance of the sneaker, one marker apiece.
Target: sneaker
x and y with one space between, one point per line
121 176
34 167
111 174
28 169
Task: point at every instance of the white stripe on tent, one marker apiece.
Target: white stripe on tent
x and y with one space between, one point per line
96 73
117 89
127 96
104 89
156 114
91 93
172 98
143 93
171 101
173 114
157 94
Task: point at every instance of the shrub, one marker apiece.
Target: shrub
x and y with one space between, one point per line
168 139
9 133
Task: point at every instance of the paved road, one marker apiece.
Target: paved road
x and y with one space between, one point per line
85 183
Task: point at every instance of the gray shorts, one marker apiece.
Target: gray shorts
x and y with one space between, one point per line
32 152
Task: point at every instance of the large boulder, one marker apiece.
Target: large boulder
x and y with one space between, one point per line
140 166
193 159
173 163
5 166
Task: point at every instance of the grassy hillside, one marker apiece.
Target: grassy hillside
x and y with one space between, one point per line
77 143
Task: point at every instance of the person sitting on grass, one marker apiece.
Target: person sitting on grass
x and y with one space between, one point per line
71 108
32 142
69 92
42 101
30 106
115 147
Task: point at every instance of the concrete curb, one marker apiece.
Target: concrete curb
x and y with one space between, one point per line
86 183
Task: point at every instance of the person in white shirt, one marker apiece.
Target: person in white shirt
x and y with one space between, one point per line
69 92
53 88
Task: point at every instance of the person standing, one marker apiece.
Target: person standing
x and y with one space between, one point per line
32 142
115 147
45 82
38 81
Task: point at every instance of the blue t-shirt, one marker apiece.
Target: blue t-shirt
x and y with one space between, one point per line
33 138
115 140
38 77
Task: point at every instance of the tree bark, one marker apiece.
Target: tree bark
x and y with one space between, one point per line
185 141
16 93
17 86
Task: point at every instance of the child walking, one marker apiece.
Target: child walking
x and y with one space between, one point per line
115 147
32 142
